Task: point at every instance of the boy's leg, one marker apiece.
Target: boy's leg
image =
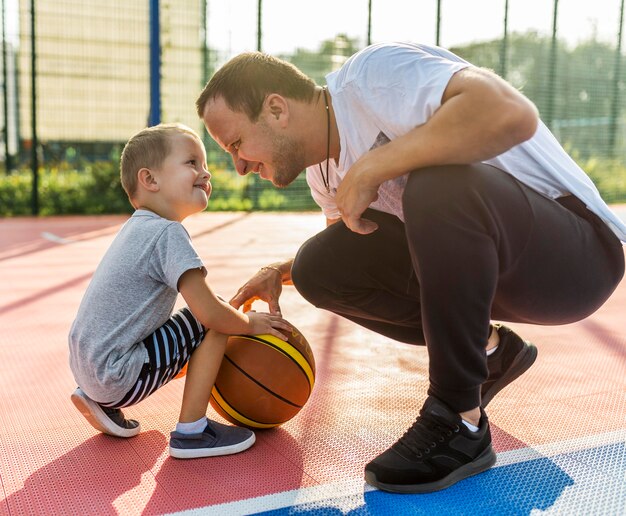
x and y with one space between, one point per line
181 340
214 439
169 349
202 370
107 420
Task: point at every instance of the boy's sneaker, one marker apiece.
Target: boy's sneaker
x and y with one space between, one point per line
513 357
436 452
215 440
107 420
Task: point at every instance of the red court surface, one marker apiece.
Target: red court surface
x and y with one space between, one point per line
559 431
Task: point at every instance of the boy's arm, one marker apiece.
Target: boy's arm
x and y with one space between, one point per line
219 315
207 308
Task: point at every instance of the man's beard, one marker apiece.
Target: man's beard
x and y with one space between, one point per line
287 160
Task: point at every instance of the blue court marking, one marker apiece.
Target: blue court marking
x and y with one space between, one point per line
586 482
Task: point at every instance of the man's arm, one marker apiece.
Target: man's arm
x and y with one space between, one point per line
481 116
267 284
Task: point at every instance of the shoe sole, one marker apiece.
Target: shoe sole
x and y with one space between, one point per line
181 453
98 419
482 463
521 363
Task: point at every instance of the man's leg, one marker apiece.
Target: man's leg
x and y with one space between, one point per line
483 245
368 279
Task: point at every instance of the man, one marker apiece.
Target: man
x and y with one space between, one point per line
449 204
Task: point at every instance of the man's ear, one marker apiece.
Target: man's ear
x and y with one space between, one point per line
147 180
277 107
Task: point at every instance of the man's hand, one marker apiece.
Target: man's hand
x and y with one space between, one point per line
265 285
357 190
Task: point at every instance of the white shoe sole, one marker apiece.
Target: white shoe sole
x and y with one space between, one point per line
180 453
97 418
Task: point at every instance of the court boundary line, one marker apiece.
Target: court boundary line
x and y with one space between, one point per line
354 487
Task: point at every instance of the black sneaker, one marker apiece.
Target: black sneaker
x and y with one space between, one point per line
107 420
216 439
513 357
436 452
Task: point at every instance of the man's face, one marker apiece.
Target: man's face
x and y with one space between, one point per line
256 147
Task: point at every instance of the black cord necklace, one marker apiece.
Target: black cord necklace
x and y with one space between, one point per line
325 177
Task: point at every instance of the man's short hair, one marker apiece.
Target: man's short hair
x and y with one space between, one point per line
245 81
148 149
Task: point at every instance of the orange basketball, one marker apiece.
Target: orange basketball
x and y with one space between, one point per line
182 373
263 381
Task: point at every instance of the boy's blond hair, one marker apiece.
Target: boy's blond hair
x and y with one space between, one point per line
148 149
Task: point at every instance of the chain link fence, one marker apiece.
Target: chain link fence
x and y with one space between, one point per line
89 70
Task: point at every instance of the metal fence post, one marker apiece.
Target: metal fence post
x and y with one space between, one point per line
33 97
369 23
259 26
154 116
615 106
505 41
552 69
438 32
8 160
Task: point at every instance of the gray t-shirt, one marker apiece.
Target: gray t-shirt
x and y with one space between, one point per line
132 293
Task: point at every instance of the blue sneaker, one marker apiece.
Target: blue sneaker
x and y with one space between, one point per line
215 440
108 420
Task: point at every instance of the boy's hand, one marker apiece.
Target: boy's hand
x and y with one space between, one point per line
261 323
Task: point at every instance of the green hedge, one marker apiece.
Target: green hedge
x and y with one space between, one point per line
609 176
96 190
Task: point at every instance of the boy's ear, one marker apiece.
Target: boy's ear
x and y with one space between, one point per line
147 180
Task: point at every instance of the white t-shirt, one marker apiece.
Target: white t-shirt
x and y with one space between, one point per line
386 90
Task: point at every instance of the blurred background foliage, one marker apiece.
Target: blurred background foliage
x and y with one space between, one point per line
96 86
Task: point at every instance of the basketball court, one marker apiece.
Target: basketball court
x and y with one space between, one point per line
559 431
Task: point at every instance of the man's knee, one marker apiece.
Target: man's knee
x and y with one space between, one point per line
307 270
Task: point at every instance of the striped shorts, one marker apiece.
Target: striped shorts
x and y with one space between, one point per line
169 349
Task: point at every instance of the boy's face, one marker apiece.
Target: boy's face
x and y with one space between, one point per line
183 178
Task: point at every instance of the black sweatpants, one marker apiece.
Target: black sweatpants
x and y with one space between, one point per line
476 245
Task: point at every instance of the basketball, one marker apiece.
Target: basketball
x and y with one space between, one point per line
263 381
182 373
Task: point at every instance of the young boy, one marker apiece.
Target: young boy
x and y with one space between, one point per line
125 342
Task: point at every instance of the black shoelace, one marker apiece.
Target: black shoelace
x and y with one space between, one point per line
425 434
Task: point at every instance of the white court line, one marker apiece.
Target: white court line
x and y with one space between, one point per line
282 500
355 487
57 239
